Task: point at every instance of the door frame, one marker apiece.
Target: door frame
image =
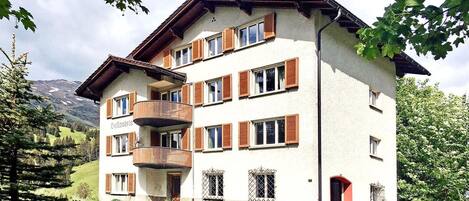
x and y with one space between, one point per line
169 183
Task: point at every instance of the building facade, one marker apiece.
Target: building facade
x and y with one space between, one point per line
219 103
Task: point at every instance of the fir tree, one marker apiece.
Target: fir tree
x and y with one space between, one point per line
27 160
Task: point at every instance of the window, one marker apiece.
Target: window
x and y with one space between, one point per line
121 105
269 79
215 45
171 139
176 96
183 56
376 192
374 95
120 144
269 132
164 96
251 34
214 88
374 142
213 185
214 137
119 183
262 185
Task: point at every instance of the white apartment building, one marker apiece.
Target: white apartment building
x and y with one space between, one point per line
220 103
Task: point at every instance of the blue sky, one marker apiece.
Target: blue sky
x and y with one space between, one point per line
75 36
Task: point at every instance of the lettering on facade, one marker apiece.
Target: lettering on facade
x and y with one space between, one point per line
121 124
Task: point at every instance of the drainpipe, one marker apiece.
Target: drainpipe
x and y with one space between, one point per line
318 52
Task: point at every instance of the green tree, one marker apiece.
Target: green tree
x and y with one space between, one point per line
24 17
435 29
432 141
27 159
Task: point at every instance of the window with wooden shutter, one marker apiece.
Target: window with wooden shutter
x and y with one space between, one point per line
291 73
186 139
108 145
228 39
132 100
198 93
167 58
197 50
132 141
199 139
155 138
227 88
186 93
107 186
269 26
226 132
131 183
243 134
244 84
292 129
109 108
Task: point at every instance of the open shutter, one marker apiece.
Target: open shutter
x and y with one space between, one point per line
228 39
132 141
244 84
107 186
226 131
167 58
131 183
108 145
269 26
155 95
198 93
199 139
226 88
132 100
186 94
186 138
291 73
197 50
109 108
155 138
243 134
292 129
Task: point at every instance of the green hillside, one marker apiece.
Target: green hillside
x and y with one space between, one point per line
66 132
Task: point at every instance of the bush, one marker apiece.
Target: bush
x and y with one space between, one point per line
83 190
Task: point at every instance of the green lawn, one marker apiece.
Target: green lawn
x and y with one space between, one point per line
86 173
65 132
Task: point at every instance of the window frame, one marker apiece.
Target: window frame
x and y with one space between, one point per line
116 102
264 69
216 146
117 149
253 184
217 51
374 146
180 49
373 98
179 95
217 81
258 33
124 184
171 133
253 137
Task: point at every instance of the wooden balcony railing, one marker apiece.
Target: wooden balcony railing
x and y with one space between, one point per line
161 158
161 113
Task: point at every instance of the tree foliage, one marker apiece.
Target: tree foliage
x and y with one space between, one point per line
28 161
426 28
432 139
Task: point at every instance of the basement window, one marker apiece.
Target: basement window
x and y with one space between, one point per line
212 185
262 184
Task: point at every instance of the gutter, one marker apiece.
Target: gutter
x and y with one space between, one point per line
319 114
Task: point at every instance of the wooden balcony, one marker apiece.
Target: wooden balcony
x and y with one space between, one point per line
161 158
161 113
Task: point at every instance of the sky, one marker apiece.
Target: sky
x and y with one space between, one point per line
74 37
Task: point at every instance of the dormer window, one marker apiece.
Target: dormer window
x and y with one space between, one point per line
183 56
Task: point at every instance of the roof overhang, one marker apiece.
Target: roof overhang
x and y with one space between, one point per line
114 66
191 10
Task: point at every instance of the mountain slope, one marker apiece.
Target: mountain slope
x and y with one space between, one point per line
61 95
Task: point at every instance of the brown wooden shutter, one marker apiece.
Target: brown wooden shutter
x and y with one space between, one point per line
186 138
291 73
197 50
109 108
132 137
292 129
167 58
269 26
155 95
228 39
132 100
226 87
107 186
199 139
226 132
108 145
155 138
186 93
244 134
244 84
198 93
131 183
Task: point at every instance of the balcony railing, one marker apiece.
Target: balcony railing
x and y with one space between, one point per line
161 158
161 113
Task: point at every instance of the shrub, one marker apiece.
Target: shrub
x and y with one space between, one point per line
83 190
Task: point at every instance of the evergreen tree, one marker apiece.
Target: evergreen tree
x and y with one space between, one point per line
27 160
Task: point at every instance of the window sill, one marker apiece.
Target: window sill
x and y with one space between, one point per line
376 157
212 57
250 45
212 150
180 66
267 146
121 116
120 194
214 103
376 108
267 93
120 154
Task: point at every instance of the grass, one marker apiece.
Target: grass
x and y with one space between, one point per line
66 132
86 173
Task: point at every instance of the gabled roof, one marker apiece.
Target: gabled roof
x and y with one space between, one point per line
93 87
191 10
